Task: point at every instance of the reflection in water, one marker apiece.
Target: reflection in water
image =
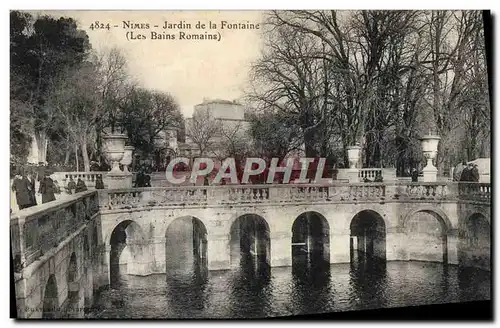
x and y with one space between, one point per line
254 290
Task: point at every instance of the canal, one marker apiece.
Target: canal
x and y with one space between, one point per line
253 290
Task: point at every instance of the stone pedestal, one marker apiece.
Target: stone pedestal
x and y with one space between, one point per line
118 180
281 249
340 248
430 173
218 252
352 175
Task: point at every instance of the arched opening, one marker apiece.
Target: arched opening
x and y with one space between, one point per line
127 248
250 243
476 242
310 241
368 234
50 302
186 247
427 238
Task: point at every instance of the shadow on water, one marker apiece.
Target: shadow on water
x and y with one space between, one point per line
474 284
250 287
368 280
311 283
186 289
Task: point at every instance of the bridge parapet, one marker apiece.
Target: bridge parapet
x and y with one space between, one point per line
292 193
36 230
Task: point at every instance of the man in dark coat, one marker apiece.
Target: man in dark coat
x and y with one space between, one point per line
21 186
474 174
47 189
99 184
414 175
71 185
80 186
466 173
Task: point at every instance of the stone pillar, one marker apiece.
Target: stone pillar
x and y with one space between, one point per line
453 246
118 180
218 252
105 278
352 175
340 244
281 249
396 243
158 248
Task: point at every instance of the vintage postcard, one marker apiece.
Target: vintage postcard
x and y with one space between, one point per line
250 164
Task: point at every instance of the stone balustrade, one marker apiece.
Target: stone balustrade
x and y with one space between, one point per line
88 177
370 174
291 193
38 229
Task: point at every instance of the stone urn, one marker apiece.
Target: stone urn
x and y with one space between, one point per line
114 148
353 154
127 158
429 148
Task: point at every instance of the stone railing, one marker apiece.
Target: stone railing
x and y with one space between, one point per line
476 191
88 177
36 230
371 173
291 193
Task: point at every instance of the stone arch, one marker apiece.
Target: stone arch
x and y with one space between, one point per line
186 239
368 231
438 213
427 231
310 239
50 298
379 211
250 240
128 246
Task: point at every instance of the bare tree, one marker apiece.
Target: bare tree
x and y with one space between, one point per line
202 130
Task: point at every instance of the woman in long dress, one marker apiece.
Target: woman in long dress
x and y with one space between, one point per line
47 189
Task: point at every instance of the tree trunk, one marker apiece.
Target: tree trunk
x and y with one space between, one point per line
76 157
85 154
41 144
66 157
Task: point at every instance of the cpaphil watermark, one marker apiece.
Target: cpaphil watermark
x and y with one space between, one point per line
203 167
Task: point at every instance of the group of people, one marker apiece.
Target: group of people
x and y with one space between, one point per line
24 188
25 191
143 179
466 172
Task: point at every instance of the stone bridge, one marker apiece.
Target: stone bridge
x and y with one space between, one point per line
66 250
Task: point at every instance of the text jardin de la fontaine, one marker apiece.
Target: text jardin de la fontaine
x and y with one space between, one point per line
183 30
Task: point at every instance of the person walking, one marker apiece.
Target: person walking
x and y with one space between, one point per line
80 186
466 173
474 173
99 184
414 175
457 173
32 189
21 186
47 189
71 185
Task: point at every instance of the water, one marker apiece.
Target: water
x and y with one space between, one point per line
256 292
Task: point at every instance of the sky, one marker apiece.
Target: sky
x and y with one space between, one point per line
190 70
